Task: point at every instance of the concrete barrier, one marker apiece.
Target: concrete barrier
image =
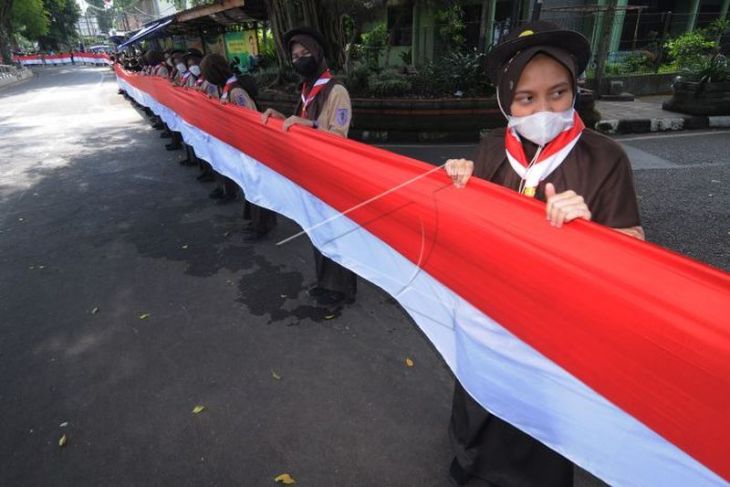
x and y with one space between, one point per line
9 75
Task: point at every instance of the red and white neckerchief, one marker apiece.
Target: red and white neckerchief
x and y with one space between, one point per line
186 76
546 160
229 83
308 95
200 80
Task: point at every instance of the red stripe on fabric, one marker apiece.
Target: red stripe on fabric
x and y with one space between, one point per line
644 327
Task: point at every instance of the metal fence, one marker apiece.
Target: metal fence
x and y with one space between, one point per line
637 37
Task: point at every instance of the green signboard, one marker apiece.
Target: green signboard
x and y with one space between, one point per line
240 46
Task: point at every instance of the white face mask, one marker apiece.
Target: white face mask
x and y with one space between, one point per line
195 70
181 67
542 127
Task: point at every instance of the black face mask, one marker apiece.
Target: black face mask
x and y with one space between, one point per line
306 67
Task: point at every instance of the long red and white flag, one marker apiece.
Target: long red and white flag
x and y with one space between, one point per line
612 351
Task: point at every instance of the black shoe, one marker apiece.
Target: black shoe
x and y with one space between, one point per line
252 236
330 298
216 194
158 126
165 135
206 177
316 291
186 162
173 146
225 199
458 475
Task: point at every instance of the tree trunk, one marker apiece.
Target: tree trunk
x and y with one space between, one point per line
603 45
324 17
280 21
6 31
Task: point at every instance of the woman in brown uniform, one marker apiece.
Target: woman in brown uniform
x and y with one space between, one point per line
325 105
191 60
548 154
239 90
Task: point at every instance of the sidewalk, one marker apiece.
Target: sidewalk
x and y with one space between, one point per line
646 115
9 75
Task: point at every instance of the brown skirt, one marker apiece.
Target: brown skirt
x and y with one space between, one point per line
333 277
495 451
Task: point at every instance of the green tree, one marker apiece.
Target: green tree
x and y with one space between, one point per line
63 15
29 19
105 18
6 30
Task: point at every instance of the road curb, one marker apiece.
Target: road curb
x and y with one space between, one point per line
24 75
667 124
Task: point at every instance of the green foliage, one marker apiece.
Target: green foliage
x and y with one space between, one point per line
105 18
373 43
357 80
29 18
451 26
690 49
717 28
639 62
694 48
388 84
712 70
696 53
455 72
63 15
407 57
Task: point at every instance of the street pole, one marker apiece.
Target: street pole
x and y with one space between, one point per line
603 44
536 10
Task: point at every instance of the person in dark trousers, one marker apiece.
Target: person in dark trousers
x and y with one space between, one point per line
324 105
219 75
545 153
191 59
180 69
241 91
156 67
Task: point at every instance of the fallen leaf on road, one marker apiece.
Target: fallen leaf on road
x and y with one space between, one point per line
43 267
409 362
185 246
198 409
329 317
63 425
285 479
20 219
144 316
94 311
275 375
283 295
62 441
227 234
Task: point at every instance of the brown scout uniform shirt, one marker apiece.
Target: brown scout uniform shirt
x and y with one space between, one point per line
597 169
335 114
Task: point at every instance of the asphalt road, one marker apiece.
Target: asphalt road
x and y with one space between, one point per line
100 227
